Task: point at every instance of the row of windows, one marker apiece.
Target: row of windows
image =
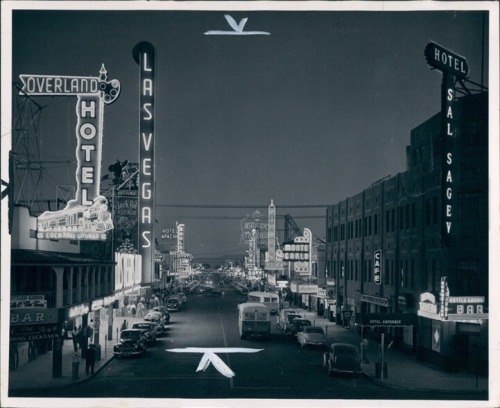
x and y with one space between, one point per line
370 225
352 271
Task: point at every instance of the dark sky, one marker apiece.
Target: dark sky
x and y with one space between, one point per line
309 115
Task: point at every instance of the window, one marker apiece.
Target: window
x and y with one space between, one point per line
375 224
393 220
387 221
428 212
469 204
413 215
407 216
435 211
370 225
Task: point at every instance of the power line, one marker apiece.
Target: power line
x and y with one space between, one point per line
225 217
241 206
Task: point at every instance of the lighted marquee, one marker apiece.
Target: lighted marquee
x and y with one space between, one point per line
86 217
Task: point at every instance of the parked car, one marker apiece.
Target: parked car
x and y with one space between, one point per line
157 318
132 343
164 311
151 331
311 336
342 358
298 324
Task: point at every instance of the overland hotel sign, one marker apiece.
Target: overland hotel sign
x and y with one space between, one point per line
86 217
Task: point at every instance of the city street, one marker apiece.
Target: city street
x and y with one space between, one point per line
282 370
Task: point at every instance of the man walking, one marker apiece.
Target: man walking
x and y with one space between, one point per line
90 360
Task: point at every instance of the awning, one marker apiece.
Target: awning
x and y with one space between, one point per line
27 257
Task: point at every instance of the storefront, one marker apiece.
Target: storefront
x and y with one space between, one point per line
453 331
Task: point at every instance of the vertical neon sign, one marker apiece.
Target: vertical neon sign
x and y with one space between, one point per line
144 55
452 67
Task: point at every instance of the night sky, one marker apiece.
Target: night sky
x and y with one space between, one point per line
311 114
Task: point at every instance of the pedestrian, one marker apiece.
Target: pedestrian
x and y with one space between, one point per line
75 337
90 360
124 325
364 350
76 365
140 310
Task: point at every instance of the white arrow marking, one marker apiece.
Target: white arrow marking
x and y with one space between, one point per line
209 356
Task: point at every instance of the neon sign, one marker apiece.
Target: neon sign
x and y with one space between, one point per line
144 55
452 66
86 217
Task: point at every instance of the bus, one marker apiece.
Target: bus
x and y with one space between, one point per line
271 300
254 320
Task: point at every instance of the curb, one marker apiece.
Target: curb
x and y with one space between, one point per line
382 383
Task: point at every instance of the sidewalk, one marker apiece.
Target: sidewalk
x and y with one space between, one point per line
404 371
37 374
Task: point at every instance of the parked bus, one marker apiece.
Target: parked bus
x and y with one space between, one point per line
254 320
271 300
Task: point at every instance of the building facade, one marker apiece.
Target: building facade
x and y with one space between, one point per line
387 253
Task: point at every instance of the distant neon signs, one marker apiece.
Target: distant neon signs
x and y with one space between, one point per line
144 55
180 238
86 217
299 252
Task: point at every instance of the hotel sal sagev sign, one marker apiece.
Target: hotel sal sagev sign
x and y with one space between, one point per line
86 217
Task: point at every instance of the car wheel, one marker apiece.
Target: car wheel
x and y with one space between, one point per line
242 336
325 361
330 371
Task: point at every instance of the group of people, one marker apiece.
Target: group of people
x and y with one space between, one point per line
90 360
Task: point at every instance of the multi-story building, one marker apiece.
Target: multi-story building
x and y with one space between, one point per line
387 252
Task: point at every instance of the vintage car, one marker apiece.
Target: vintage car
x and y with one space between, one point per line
311 336
298 324
132 343
164 311
342 358
157 318
174 304
150 330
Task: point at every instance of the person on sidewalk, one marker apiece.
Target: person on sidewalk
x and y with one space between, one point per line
124 325
76 365
75 337
364 350
90 360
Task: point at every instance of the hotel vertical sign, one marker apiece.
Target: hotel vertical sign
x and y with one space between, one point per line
144 55
453 67
86 216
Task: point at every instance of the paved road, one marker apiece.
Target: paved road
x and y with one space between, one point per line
280 370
